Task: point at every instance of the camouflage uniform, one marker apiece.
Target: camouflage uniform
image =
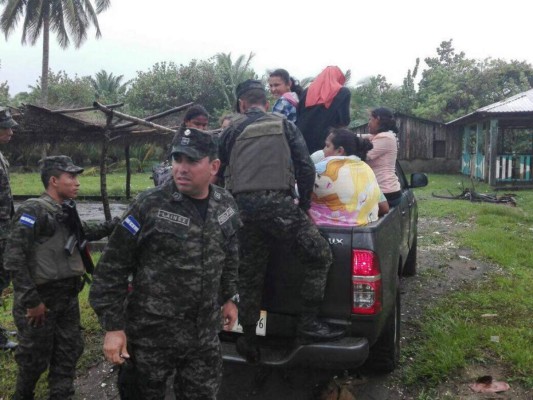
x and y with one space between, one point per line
6 212
272 214
58 344
183 269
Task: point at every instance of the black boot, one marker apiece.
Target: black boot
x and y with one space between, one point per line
247 345
311 328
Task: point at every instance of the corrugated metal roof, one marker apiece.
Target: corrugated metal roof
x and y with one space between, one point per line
522 102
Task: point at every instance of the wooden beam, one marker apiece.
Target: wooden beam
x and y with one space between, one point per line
112 113
75 110
156 116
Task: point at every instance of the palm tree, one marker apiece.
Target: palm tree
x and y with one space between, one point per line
64 17
229 74
108 87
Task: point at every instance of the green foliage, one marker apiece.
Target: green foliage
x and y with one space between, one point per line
454 85
108 87
20 98
229 74
64 91
407 96
370 93
210 83
4 91
167 85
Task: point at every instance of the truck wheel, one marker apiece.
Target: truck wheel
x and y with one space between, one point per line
409 269
385 353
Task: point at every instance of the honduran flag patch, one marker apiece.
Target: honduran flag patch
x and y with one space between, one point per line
28 220
131 224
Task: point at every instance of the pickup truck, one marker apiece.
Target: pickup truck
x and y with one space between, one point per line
362 294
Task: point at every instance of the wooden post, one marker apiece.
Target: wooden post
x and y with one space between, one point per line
103 169
128 171
493 151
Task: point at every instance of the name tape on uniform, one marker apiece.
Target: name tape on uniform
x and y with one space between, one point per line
226 215
172 217
131 224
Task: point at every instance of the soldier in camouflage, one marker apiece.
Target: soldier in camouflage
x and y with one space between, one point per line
261 177
6 212
46 283
179 242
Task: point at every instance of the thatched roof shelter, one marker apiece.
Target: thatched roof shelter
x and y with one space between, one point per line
89 125
96 124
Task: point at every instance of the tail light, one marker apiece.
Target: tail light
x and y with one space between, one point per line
366 282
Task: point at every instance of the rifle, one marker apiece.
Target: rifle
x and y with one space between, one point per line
77 238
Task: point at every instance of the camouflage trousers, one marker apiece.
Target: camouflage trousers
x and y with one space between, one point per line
4 275
56 346
276 217
195 359
4 283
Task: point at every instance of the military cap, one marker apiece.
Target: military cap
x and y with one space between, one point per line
6 120
247 85
194 143
62 163
244 87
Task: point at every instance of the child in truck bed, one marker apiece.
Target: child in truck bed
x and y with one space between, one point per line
346 191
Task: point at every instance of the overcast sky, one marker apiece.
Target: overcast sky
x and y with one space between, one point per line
371 37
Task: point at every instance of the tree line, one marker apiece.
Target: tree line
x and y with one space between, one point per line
450 86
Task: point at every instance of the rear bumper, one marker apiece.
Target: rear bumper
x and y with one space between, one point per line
348 352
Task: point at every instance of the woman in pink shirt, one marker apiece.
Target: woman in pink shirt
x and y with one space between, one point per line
382 158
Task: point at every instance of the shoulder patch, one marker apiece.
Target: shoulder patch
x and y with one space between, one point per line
222 218
131 224
27 219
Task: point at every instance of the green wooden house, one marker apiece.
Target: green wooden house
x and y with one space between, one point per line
497 141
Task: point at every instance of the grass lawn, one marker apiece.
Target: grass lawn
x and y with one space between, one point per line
30 183
453 332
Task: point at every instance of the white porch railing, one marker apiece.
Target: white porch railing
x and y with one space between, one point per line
513 168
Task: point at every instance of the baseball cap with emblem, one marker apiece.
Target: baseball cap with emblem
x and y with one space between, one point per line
244 87
6 120
194 143
62 163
